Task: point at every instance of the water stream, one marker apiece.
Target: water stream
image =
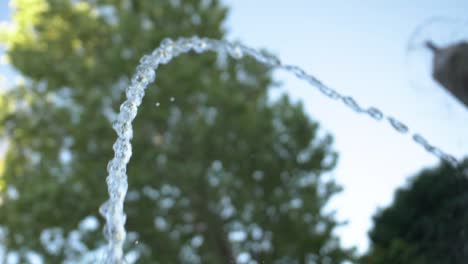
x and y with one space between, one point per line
113 208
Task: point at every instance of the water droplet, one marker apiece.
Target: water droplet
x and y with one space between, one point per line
172 99
144 75
184 45
123 129
157 104
167 42
163 55
199 45
128 111
104 208
135 93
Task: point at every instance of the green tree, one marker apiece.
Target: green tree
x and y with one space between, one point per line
219 171
427 222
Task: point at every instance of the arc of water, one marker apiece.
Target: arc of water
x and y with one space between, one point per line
117 185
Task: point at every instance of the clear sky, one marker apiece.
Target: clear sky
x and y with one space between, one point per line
6 73
357 47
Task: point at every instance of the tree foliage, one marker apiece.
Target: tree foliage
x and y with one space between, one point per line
427 222
219 171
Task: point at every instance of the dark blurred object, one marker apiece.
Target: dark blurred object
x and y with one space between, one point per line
450 68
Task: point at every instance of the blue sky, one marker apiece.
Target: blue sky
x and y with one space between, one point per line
5 72
4 10
359 48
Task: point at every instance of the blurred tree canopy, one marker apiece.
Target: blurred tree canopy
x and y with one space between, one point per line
220 172
427 222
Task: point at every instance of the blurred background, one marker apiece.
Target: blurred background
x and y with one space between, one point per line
233 162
